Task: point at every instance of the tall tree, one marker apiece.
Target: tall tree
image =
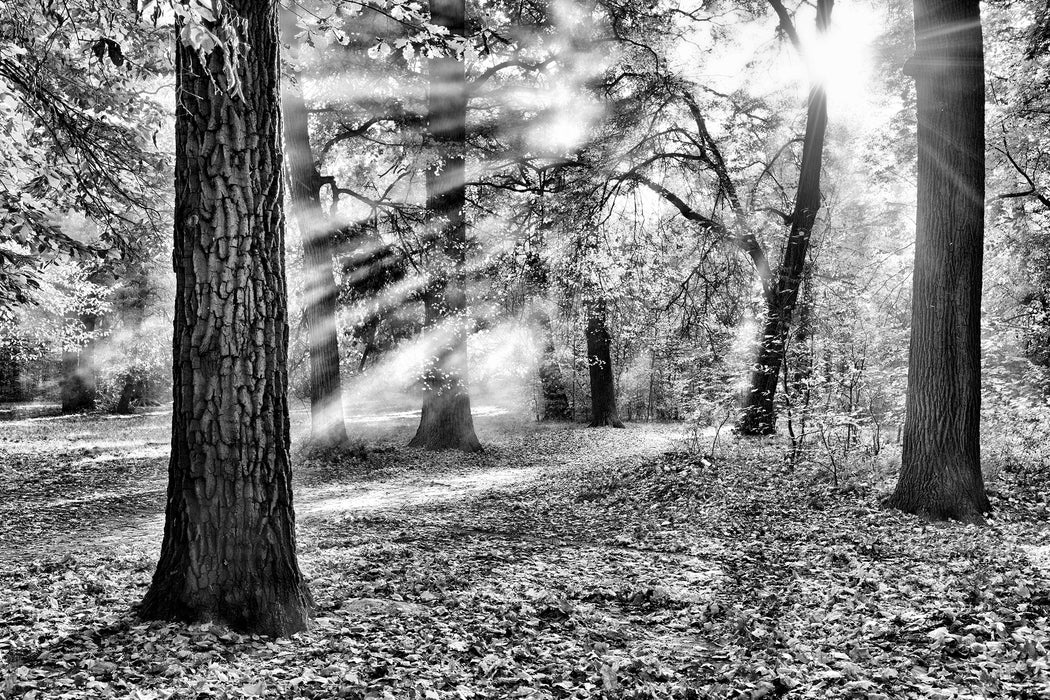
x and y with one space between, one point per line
669 149
446 421
941 468
305 182
759 414
228 552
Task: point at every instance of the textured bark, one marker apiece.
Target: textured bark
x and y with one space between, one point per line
446 421
599 361
759 416
78 391
328 423
941 469
229 553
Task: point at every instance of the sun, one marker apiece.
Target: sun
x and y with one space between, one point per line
841 59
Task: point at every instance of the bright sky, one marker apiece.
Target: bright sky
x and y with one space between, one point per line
842 59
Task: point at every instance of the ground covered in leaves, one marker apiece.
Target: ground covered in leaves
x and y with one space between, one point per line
561 563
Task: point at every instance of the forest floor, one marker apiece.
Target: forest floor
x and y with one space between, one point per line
563 562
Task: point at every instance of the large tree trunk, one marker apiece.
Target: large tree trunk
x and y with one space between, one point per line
78 389
229 553
599 362
328 424
446 421
941 468
759 416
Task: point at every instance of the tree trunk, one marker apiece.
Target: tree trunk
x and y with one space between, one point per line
599 362
327 422
229 552
10 376
446 421
555 400
134 390
940 467
759 415
78 373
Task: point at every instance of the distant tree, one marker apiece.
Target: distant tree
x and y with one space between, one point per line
600 368
78 389
228 552
446 421
941 468
315 228
554 404
681 143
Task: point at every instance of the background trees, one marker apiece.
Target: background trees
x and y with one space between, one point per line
316 231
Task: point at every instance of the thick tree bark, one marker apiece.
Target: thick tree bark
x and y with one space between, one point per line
328 424
759 416
446 421
941 468
599 361
229 553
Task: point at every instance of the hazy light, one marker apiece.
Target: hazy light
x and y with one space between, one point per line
841 58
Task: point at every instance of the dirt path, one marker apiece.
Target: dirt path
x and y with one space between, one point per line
78 485
561 563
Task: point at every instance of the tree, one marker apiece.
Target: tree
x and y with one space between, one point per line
77 387
599 364
759 415
940 468
446 421
228 552
305 182
77 137
675 149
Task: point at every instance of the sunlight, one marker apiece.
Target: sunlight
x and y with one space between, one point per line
565 121
450 487
841 58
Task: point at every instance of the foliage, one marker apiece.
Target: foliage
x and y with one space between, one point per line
79 137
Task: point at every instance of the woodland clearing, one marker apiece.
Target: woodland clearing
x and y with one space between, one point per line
562 562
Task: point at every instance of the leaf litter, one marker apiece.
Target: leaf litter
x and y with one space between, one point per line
561 563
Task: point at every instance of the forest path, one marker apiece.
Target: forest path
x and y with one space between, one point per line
82 484
563 562
518 567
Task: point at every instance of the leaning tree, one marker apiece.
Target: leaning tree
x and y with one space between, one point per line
228 552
